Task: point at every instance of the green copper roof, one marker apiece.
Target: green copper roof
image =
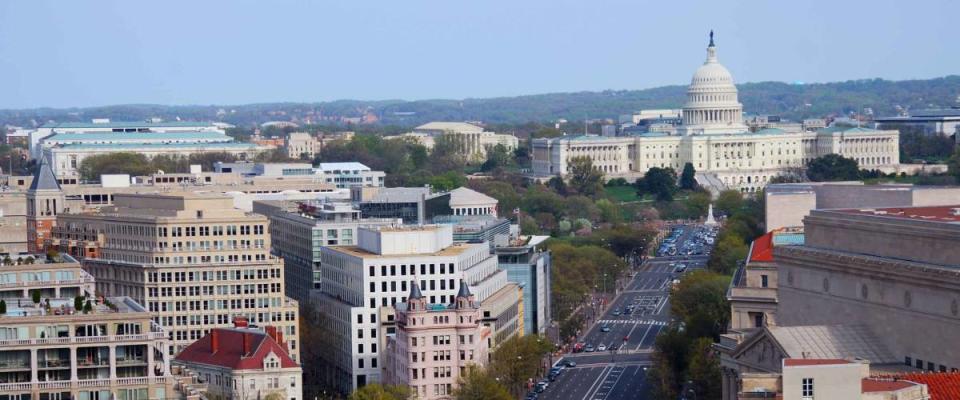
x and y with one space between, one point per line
126 124
137 136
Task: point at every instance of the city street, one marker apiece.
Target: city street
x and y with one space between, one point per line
626 331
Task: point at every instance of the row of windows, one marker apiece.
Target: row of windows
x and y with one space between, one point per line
207 276
372 270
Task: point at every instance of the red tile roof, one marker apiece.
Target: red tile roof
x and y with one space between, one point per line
230 349
883 385
942 385
801 362
762 248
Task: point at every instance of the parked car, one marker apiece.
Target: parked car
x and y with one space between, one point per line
589 348
571 363
601 347
604 328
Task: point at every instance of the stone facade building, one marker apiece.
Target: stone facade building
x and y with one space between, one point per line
876 284
192 259
54 350
362 283
244 363
714 139
434 344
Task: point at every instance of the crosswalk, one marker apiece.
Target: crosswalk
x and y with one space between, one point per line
633 321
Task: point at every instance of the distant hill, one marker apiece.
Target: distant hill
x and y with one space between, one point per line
793 101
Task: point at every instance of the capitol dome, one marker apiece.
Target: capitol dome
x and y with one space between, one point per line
712 102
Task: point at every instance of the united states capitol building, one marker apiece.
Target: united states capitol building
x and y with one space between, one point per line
714 138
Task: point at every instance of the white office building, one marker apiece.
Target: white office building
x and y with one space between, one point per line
362 283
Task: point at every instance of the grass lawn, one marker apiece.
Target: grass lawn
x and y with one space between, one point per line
623 194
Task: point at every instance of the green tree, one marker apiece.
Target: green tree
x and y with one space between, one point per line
670 350
953 165
376 391
3 307
697 204
476 384
7 260
703 370
700 299
584 178
727 253
88 307
660 182
497 157
687 177
833 167
135 164
35 296
609 211
518 359
448 181
78 303
729 201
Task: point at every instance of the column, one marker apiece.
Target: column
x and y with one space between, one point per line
73 363
150 351
34 366
113 362
725 385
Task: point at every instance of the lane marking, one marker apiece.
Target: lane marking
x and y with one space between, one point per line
644 337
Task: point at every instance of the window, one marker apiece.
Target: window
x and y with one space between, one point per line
806 389
763 281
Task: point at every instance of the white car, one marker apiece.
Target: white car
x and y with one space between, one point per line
602 347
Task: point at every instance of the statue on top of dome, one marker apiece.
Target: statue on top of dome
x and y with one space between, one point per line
711 38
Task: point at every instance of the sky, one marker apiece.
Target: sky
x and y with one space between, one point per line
89 53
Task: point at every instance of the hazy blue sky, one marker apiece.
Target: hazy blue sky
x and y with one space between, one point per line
83 53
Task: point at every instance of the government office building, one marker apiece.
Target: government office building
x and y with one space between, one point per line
713 137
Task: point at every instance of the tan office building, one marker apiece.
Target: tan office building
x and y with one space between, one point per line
193 260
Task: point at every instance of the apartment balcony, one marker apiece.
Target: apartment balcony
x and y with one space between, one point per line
131 362
14 365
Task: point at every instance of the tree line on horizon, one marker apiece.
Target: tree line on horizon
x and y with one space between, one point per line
792 101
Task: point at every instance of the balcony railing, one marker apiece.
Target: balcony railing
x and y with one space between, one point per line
756 395
85 279
84 339
83 383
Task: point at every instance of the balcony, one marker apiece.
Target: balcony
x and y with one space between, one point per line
84 339
85 383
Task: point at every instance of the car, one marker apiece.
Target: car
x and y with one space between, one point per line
601 347
542 385
613 347
617 312
531 396
604 328
589 348
571 363
628 311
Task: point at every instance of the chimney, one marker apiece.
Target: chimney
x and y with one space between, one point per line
272 332
247 343
240 321
214 340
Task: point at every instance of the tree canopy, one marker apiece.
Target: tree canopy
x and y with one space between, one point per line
584 178
477 384
687 177
660 182
376 391
833 167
